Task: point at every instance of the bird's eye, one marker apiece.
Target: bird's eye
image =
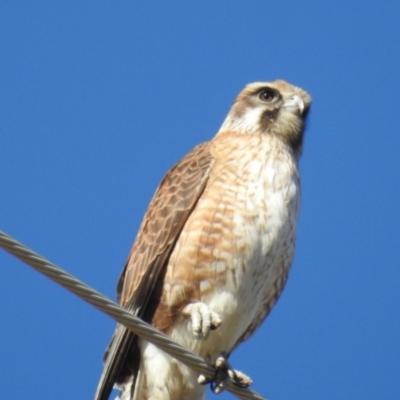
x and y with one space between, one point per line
267 95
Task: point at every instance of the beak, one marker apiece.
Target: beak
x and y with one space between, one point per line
295 105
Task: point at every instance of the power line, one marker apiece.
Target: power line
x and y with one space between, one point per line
118 313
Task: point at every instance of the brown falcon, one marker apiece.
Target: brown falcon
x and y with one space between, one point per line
214 249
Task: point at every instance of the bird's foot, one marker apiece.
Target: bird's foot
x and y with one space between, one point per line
224 373
203 319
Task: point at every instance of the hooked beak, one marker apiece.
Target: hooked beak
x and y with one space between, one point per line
295 105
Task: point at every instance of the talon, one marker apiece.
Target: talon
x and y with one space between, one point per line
221 362
218 388
216 321
225 372
202 380
203 319
241 379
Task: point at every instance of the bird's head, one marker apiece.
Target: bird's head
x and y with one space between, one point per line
270 108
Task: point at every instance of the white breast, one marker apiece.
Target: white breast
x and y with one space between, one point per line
264 227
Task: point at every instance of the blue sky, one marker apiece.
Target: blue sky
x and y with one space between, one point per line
99 99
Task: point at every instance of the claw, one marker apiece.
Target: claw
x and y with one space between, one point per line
203 319
224 372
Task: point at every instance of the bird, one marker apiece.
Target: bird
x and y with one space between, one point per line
214 249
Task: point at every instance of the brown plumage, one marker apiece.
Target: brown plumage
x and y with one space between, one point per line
215 246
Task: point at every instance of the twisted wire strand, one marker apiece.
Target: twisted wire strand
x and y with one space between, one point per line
118 313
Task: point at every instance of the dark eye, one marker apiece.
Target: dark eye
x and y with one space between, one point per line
267 95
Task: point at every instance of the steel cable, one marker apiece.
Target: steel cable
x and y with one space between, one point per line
118 313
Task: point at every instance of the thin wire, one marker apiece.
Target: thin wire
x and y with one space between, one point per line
118 313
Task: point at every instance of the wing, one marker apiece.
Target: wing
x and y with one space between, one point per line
140 284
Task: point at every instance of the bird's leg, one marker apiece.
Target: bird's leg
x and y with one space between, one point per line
224 373
203 319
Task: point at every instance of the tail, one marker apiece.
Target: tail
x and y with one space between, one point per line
121 363
133 390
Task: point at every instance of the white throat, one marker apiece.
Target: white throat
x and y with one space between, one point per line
249 122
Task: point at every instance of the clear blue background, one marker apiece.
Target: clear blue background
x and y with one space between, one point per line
98 99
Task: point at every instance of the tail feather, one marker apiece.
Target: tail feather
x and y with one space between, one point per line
133 389
121 361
